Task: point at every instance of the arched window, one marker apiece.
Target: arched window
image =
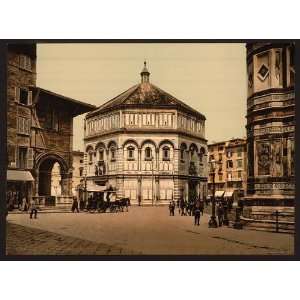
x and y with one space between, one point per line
101 154
90 157
130 153
148 153
182 154
166 153
113 154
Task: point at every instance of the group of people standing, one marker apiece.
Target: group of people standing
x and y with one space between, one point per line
24 205
195 208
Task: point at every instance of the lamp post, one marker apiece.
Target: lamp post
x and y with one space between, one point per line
213 222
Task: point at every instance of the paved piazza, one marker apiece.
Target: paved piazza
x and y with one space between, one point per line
145 230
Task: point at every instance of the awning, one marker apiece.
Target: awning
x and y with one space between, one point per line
228 194
219 193
18 175
96 188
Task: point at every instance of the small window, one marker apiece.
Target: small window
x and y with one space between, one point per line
23 125
90 157
24 96
166 153
81 172
52 119
22 158
220 156
113 154
239 163
229 164
220 177
101 154
211 157
182 154
239 174
25 62
148 153
130 152
81 161
229 154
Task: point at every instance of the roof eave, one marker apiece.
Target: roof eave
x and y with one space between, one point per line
81 107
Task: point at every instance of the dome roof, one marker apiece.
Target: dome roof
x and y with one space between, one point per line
145 95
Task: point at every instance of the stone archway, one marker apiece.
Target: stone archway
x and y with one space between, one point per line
43 171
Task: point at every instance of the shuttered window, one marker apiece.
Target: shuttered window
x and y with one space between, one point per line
23 125
23 96
25 62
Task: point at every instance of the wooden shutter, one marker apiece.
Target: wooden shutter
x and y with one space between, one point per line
17 94
30 158
29 99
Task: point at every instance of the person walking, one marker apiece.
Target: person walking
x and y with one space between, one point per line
33 208
182 205
201 206
24 204
170 208
197 215
75 205
220 213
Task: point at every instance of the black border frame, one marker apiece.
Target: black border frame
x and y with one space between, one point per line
3 162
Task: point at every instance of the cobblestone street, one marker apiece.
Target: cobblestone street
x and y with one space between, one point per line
144 230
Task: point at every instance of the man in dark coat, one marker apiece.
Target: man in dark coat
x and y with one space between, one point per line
182 205
197 215
220 213
75 205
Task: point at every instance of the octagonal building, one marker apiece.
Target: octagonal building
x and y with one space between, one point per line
147 145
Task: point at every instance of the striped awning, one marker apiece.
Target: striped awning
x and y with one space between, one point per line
19 175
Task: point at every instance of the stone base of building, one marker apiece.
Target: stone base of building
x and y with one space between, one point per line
271 200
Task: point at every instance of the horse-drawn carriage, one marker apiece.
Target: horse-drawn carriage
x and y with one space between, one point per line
105 201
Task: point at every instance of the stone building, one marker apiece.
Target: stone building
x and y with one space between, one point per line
147 145
270 124
39 129
231 172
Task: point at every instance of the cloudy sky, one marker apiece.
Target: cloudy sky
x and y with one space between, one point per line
209 77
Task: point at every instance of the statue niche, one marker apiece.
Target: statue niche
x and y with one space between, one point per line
264 158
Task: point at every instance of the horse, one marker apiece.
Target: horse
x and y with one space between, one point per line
124 202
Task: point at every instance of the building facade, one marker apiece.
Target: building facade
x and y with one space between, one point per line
39 129
231 171
270 124
147 145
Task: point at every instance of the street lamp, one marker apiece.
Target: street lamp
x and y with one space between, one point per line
213 222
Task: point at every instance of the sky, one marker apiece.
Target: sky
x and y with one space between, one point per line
211 78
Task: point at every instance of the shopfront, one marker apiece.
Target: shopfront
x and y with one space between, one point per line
19 185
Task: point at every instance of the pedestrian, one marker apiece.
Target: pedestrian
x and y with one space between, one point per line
75 205
173 207
24 204
201 206
197 215
220 213
182 205
33 208
170 208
